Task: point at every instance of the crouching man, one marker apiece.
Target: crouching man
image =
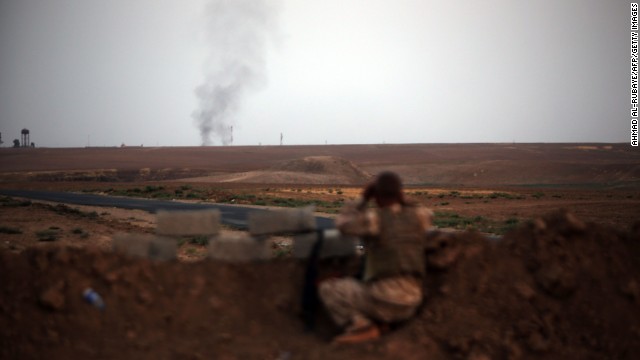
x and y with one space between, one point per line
391 288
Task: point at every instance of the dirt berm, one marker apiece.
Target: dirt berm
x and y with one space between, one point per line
555 288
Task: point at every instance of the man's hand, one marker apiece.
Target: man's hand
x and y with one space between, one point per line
367 194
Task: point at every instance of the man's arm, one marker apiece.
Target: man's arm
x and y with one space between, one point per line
425 216
356 220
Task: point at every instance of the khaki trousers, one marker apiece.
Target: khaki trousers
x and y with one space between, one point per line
350 301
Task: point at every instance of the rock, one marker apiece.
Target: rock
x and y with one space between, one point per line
53 336
556 281
62 256
524 290
538 343
53 297
216 303
442 252
478 356
144 297
539 224
225 337
574 222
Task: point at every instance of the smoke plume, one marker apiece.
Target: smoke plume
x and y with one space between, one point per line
237 33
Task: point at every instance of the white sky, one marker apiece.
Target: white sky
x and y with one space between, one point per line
76 72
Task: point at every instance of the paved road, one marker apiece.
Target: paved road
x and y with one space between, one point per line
232 215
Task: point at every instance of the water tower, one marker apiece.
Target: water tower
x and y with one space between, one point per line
25 138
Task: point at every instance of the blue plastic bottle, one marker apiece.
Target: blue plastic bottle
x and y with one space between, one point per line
93 298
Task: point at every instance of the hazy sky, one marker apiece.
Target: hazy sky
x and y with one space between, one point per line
78 72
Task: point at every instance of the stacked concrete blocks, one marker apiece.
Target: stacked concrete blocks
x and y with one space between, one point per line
235 247
171 225
282 221
188 223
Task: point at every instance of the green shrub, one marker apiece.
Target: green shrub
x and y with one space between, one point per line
201 240
151 188
47 235
9 230
538 195
511 221
11 202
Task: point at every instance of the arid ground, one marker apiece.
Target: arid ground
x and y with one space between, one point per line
563 283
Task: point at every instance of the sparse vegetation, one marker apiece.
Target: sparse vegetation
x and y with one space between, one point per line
511 221
281 250
67 210
451 220
252 199
79 231
496 195
9 230
195 240
538 195
48 234
11 202
445 219
160 192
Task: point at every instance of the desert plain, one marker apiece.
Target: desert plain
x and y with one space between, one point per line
561 281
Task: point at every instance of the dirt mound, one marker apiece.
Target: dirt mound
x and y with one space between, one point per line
553 288
315 170
342 170
323 165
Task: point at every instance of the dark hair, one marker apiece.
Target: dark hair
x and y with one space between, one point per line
388 186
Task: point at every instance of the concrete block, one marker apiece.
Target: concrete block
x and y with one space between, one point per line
282 221
145 246
238 248
163 249
334 244
193 222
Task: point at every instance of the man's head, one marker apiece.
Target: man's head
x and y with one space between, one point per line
386 189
